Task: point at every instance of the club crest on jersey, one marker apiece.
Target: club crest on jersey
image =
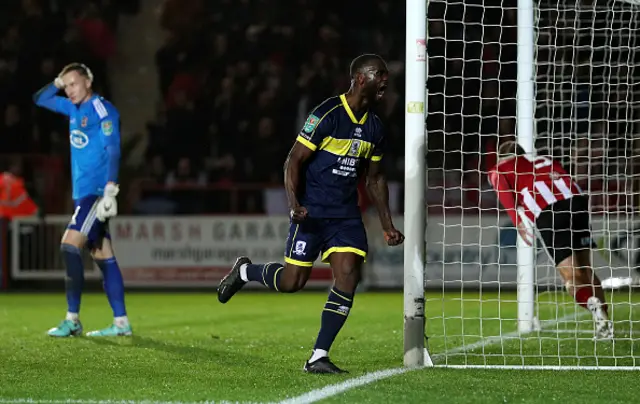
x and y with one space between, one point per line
84 121
107 128
78 139
311 123
354 149
300 247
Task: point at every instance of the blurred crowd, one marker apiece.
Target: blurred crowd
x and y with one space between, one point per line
238 77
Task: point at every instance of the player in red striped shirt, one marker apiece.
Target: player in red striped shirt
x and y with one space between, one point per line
538 190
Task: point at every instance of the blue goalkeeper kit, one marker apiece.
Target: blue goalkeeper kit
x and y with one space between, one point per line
94 135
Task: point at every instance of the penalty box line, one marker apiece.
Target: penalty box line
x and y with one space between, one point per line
368 378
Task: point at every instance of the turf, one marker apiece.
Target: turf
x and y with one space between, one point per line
188 347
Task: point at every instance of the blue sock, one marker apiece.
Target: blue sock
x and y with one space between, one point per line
267 274
75 276
113 285
335 313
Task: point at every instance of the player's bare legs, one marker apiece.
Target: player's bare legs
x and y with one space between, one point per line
347 272
114 288
584 285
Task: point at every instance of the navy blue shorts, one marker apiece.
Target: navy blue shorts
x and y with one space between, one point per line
85 221
314 236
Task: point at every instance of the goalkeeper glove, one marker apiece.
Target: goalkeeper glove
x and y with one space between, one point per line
108 206
58 83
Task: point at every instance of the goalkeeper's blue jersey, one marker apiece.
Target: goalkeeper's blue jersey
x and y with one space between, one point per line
93 127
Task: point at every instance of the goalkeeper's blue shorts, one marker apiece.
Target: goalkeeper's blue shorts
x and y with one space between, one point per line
85 221
314 236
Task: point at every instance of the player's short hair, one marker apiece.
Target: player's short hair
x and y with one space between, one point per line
362 61
81 68
510 148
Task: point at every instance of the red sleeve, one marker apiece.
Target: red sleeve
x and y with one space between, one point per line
506 195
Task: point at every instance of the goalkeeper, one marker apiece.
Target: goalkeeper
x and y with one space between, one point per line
95 157
540 191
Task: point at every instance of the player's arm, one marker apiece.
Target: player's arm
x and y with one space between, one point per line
298 155
110 138
505 194
46 97
315 129
378 190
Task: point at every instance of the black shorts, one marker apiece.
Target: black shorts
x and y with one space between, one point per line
564 227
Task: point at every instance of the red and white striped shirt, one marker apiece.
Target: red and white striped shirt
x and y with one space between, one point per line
532 184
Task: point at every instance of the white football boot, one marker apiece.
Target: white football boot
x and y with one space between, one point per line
603 326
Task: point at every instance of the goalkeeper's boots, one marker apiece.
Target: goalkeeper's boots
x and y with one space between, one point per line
322 366
603 326
67 328
232 282
112 331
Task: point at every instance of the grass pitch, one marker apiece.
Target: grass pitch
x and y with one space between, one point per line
188 348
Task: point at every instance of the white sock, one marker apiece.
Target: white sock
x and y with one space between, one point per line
121 321
318 354
72 317
243 272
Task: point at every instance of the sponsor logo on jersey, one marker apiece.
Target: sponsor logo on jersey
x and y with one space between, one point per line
78 139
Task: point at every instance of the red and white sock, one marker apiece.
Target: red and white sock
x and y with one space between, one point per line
582 295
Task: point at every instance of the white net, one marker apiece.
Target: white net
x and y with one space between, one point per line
586 116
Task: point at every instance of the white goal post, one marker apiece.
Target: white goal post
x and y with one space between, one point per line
470 299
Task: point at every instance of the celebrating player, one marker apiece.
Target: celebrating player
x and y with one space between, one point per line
539 190
341 140
95 157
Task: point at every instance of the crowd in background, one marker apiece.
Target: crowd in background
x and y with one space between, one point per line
238 78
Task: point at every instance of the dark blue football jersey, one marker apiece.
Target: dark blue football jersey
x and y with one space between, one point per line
343 142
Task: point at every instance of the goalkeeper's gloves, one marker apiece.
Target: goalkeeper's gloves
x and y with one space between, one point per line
58 83
108 206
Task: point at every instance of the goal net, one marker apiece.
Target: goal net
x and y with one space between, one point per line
485 305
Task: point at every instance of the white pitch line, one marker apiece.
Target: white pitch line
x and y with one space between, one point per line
77 401
368 378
